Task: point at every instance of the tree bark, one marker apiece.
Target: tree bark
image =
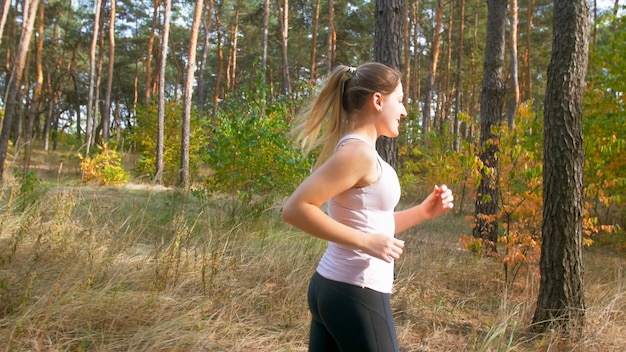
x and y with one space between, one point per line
332 37
514 100
189 79
149 53
106 111
432 71
313 64
91 103
561 298
486 223
389 21
158 177
459 74
286 87
13 89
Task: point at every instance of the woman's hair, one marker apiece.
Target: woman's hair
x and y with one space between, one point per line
345 93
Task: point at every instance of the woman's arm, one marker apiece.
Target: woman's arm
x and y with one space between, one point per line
351 165
439 201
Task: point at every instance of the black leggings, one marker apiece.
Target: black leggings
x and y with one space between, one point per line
349 318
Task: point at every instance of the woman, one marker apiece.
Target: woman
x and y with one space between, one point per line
349 294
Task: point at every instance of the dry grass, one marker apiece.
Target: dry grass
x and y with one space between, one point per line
127 269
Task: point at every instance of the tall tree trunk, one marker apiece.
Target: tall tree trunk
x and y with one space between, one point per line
149 53
406 28
106 109
432 71
389 21
459 74
207 19
514 101
313 64
284 41
189 79
91 102
486 223
416 43
332 37
231 72
31 117
528 78
266 26
158 177
561 298
220 59
6 6
13 90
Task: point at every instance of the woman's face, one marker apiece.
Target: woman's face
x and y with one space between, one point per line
392 110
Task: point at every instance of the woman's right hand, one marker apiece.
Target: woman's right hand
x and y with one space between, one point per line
383 247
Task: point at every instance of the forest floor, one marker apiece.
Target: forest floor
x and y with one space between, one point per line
127 268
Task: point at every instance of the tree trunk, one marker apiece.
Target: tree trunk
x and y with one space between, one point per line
91 101
15 81
332 37
266 26
561 297
514 101
284 41
528 79
220 60
389 21
31 117
6 6
313 64
149 53
207 19
189 79
406 77
158 177
106 110
459 74
486 223
432 71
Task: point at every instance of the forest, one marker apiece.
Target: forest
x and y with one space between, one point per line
146 147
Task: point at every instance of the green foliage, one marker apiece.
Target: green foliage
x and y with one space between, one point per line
29 184
604 127
104 168
145 137
250 152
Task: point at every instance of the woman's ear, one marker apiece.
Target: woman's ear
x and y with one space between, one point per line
377 101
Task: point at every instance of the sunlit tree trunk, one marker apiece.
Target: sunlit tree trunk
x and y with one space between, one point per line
389 21
91 103
231 71
514 100
189 79
220 59
158 177
149 53
528 78
432 71
459 74
406 78
3 17
285 54
417 47
32 116
13 90
332 37
492 101
206 21
266 26
561 303
313 65
106 109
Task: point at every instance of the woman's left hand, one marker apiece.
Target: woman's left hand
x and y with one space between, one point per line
438 202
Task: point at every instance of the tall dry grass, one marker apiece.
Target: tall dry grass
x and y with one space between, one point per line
121 269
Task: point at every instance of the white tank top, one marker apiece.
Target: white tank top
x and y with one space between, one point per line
369 209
